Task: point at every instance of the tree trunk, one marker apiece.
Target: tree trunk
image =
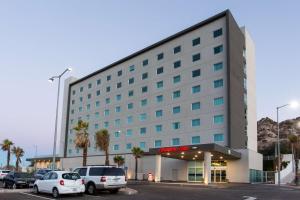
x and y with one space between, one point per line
17 165
8 158
106 157
136 168
296 171
84 156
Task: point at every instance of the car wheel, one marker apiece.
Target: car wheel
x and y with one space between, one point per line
114 191
55 193
35 189
4 185
14 186
91 189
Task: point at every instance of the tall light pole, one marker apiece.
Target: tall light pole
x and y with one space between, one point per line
56 116
293 104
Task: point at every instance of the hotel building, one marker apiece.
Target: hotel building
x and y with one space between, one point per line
188 101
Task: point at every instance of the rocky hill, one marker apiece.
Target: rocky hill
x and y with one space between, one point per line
267 134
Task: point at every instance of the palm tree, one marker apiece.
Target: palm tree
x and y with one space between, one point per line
82 140
5 146
294 141
119 160
102 142
137 153
18 152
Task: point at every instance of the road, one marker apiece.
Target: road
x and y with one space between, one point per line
179 192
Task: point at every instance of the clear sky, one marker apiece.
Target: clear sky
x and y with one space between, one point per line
39 39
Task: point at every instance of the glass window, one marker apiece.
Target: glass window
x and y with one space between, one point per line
196 106
218 66
218 119
160 56
218 101
176 94
81 89
108 78
118 97
129 119
120 73
108 89
218 32
160 70
219 137
117 134
117 122
116 147
106 112
177 49
218 83
107 100
196 140
142 145
119 85
144 76
196 57
195 122
89 85
89 96
97 104
144 102
131 68
218 49
130 93
144 89
143 117
157 143
176 125
106 124
80 109
196 89
176 110
145 62
196 41
73 102
129 146
177 64
80 99
196 73
98 81
118 109
97 115
175 141
176 79
96 126
158 128
143 130
160 84
98 93
159 98
130 106
73 92
72 111
159 113
129 132
131 81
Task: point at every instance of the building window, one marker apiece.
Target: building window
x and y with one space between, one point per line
159 84
176 125
98 93
218 49
157 143
87 117
117 134
175 142
195 122
160 56
218 32
118 97
98 81
218 83
96 126
143 117
159 113
116 147
176 94
97 104
144 76
196 106
80 99
89 85
196 73
128 132
196 140
106 112
177 64
177 49
160 70
218 119
158 128
129 120
218 66
196 89
144 89
119 85
89 96
72 111
143 145
120 73
159 98
176 79
106 124
108 78
131 68
196 57
80 109
131 81
130 93
107 100
145 62
144 102
81 89
129 146
196 41
130 106
73 102
219 137
176 110
218 101
73 92
117 122
143 130
97 114
118 109
108 89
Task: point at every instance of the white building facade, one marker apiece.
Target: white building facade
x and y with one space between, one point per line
188 101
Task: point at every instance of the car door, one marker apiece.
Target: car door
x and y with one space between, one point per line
51 182
42 183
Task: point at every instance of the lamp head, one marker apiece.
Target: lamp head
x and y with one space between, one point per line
69 69
294 104
51 80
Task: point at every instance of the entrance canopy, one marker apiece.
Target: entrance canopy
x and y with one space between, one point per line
196 152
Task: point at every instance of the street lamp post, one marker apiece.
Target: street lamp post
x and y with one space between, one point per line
56 116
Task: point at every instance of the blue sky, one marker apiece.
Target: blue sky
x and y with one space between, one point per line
39 39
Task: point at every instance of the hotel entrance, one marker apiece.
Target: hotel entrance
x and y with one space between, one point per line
218 171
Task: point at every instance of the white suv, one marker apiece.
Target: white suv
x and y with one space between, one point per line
3 173
102 178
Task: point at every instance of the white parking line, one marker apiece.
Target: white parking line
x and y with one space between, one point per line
33 195
248 198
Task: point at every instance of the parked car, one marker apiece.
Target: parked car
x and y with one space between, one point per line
41 172
3 173
102 178
59 182
18 179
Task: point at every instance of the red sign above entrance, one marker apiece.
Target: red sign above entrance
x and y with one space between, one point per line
173 149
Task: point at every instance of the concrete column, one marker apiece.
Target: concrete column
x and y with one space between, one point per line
207 167
157 168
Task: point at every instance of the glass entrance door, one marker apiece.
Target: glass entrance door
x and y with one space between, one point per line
195 171
218 175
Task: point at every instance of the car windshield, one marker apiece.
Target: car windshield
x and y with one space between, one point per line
71 176
102 171
43 172
23 175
